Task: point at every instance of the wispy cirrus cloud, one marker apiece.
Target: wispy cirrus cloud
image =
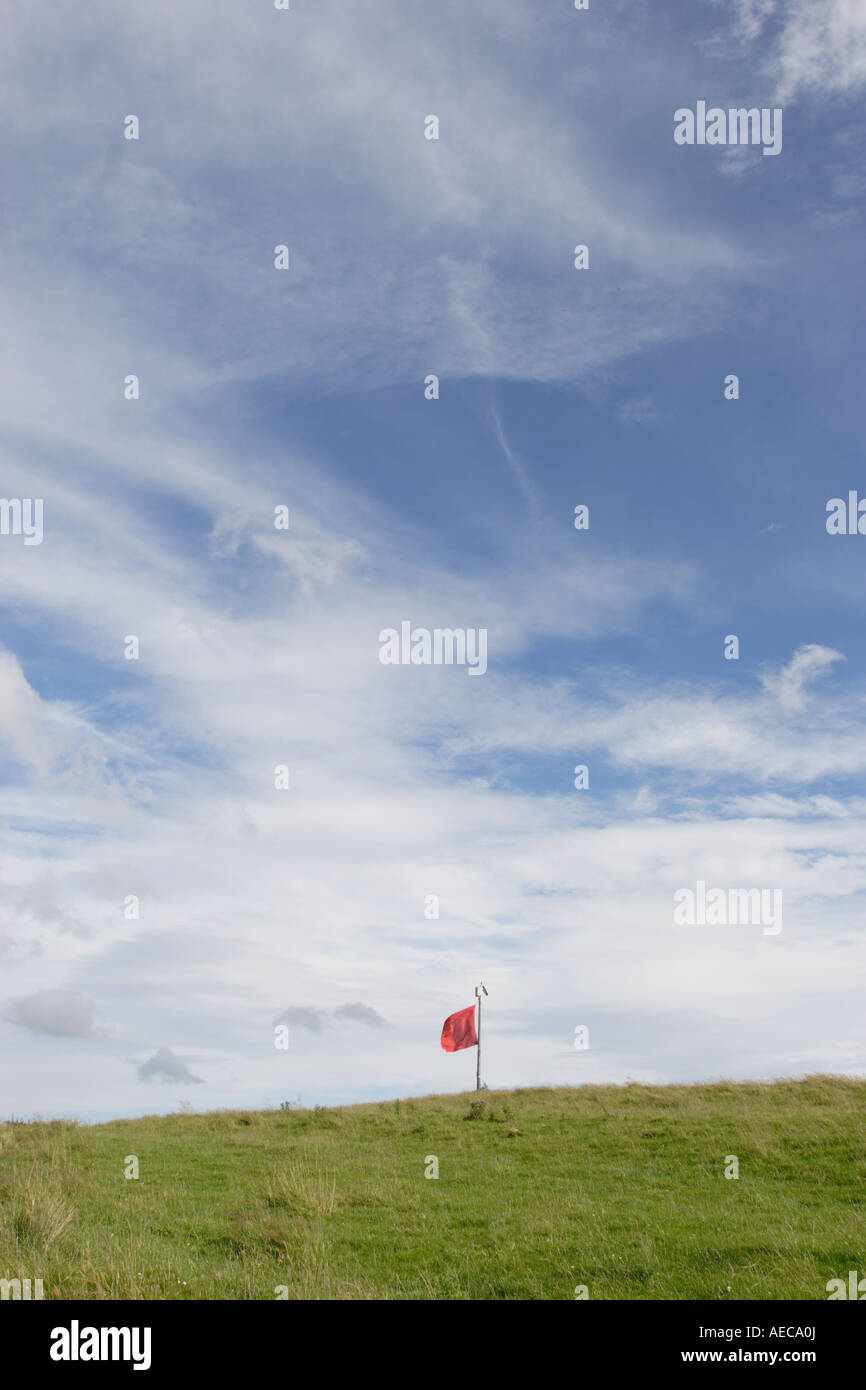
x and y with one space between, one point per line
150 862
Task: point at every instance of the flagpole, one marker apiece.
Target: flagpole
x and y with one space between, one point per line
479 990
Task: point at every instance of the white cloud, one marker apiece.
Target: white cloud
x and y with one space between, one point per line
21 725
790 685
814 48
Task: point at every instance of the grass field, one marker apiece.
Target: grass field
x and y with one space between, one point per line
621 1189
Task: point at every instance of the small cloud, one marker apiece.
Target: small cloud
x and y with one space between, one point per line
317 1020
752 16
806 665
645 802
361 1013
21 716
165 1066
736 161
640 411
58 1012
314 1020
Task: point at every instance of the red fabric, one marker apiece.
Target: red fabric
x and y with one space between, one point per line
458 1031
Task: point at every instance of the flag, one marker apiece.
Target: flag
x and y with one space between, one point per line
458 1030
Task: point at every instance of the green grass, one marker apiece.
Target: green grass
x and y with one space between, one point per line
620 1188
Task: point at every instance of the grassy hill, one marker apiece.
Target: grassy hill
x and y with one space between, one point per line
621 1189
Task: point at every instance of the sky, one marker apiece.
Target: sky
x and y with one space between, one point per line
167 904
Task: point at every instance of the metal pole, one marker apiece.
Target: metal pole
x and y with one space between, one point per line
478 1031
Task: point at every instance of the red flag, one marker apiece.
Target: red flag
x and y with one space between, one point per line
458 1030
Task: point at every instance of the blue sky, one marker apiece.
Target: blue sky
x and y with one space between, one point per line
259 647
